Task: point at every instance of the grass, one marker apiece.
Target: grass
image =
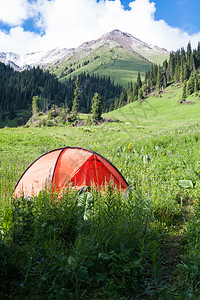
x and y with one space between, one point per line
160 110
118 63
106 245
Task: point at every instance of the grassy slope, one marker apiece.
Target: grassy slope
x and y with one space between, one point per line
155 57
160 112
154 115
120 64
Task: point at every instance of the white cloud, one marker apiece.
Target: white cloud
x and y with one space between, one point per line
20 41
68 23
13 12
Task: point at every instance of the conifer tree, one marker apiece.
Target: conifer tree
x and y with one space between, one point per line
164 80
139 82
183 57
97 107
177 73
184 91
123 98
158 81
189 52
192 63
140 94
198 54
35 105
171 67
196 87
191 84
75 106
186 72
182 73
130 92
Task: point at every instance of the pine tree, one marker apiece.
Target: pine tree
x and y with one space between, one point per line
158 81
196 87
123 98
198 54
192 63
184 91
35 105
171 67
177 73
189 53
164 80
139 82
191 84
97 107
140 94
75 106
182 73
130 92
186 72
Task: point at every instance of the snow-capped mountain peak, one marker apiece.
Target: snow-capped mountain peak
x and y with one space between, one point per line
53 57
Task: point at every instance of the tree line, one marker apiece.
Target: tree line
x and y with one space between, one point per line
17 90
183 67
62 114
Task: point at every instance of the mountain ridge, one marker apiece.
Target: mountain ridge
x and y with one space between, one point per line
56 56
116 54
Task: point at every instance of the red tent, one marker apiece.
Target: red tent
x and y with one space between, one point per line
70 165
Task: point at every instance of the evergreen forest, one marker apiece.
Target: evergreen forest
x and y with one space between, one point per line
17 90
183 68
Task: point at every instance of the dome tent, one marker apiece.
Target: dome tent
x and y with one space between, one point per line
73 166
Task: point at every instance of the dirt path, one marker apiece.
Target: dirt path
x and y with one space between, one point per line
172 249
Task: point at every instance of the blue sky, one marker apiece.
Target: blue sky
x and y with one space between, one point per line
183 14
34 25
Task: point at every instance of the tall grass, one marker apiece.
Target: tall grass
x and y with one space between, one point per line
52 251
101 245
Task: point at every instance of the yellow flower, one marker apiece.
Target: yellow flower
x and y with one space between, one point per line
129 146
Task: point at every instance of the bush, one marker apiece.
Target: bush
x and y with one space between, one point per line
90 246
49 123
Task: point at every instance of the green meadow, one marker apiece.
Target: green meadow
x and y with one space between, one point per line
140 245
121 65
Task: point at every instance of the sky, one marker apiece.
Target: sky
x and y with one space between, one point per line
33 25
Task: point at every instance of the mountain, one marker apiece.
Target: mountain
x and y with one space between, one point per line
11 59
127 41
116 54
42 59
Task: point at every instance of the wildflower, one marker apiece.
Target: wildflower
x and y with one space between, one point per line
129 146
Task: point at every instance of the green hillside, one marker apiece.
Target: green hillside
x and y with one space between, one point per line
163 111
116 54
120 64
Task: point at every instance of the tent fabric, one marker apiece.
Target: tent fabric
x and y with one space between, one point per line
73 166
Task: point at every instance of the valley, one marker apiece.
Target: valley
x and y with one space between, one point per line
103 243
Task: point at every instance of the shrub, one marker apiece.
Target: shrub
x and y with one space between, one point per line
93 245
